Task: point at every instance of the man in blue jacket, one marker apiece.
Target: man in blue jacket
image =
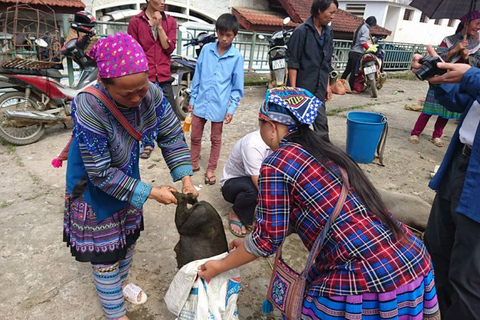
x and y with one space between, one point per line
453 231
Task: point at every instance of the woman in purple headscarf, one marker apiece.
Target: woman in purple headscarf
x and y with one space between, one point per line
461 47
104 195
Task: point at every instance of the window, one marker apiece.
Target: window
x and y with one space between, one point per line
356 9
424 18
451 22
438 21
408 15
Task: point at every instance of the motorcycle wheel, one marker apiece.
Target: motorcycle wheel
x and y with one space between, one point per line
182 100
372 84
12 131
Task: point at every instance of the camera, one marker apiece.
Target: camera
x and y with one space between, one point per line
429 67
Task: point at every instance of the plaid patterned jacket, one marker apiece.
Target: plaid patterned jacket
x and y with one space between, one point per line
360 254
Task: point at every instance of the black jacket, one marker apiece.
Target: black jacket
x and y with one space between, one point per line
310 58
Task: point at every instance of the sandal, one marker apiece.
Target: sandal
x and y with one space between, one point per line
237 223
210 180
131 292
145 154
414 139
195 169
437 142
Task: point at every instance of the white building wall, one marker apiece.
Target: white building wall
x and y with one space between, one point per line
389 14
415 31
209 8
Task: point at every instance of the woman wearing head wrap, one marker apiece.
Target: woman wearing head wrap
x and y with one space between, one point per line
462 47
104 195
370 263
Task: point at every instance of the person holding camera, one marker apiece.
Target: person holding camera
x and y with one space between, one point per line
462 47
452 235
359 45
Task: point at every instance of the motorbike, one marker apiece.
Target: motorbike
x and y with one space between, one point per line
371 74
183 68
39 99
278 56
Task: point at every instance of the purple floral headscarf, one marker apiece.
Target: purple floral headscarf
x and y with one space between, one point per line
118 55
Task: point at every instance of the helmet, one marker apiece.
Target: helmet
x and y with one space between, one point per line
83 22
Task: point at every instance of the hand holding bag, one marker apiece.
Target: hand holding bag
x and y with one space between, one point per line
287 287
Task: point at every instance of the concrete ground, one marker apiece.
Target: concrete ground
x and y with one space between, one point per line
39 278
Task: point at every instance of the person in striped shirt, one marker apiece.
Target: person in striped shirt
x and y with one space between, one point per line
104 197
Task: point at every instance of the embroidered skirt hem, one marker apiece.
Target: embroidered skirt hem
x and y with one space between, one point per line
416 300
106 241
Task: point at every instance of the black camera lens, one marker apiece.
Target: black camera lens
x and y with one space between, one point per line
429 67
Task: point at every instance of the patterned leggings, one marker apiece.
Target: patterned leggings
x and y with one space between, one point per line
109 279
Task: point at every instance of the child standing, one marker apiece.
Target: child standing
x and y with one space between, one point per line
216 91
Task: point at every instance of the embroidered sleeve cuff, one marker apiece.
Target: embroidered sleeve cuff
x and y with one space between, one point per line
140 194
181 171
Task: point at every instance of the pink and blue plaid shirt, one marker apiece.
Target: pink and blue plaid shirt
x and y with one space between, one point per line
360 253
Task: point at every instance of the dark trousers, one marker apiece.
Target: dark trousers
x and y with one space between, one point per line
352 67
168 93
320 125
243 194
453 241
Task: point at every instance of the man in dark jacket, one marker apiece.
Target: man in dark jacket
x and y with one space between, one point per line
310 51
157 34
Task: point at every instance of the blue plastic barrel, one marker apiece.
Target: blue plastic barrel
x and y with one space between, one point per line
363 134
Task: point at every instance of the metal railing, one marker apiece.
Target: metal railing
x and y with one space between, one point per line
398 56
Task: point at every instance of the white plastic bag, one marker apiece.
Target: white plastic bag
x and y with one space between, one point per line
192 298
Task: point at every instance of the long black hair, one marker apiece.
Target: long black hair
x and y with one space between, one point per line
323 150
460 27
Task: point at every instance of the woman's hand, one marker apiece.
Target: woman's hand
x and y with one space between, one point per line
465 54
455 72
163 194
210 269
416 58
188 186
235 243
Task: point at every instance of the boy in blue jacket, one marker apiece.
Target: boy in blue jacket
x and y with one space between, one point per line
216 91
453 232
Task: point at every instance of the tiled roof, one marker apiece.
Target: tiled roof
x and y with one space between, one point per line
299 10
343 21
347 22
53 3
252 19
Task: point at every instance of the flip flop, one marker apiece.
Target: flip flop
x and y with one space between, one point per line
437 142
195 169
237 223
413 139
145 154
210 180
131 292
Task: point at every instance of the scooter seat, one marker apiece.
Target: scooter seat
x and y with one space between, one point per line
50 73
